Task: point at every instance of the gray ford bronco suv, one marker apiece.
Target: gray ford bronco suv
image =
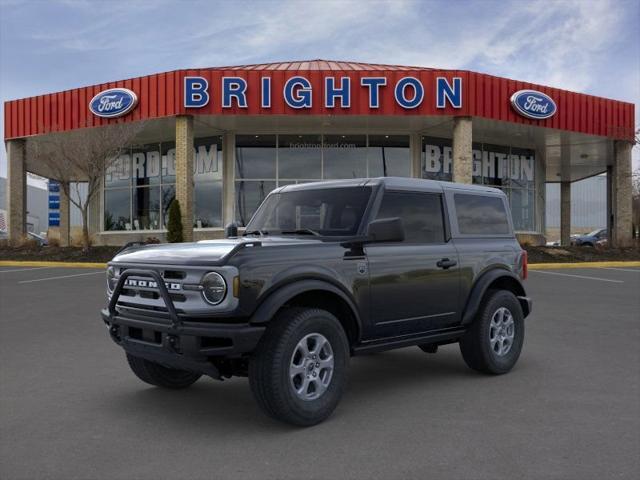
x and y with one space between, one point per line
325 271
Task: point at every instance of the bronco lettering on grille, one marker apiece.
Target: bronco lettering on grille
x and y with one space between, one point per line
130 282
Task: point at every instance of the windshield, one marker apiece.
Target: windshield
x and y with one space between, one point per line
594 233
324 212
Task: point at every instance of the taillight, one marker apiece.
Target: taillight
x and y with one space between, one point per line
524 265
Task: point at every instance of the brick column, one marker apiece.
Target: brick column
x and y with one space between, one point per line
462 150
228 178
16 191
184 173
621 185
565 213
65 219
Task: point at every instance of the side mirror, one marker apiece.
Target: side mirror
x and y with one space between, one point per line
386 230
231 230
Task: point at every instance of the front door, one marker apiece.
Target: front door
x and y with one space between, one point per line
414 284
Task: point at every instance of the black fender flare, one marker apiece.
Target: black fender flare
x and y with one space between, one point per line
280 295
483 283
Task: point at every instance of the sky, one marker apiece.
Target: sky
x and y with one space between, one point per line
581 45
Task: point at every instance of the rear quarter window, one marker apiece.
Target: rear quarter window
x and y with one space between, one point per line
481 215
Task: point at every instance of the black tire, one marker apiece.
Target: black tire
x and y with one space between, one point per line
476 346
269 374
160 376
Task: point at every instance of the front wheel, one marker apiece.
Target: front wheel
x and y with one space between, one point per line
494 340
299 370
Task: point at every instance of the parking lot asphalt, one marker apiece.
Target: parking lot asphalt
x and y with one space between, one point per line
71 409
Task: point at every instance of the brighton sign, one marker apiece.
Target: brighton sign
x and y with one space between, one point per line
113 103
408 92
533 104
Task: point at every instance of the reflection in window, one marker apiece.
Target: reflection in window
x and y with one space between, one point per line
117 203
208 205
300 156
389 156
256 156
168 194
146 208
345 156
421 215
481 215
249 196
437 159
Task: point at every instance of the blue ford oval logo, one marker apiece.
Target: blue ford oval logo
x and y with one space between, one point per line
114 102
533 104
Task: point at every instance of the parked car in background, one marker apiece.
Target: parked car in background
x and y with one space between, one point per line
41 239
590 239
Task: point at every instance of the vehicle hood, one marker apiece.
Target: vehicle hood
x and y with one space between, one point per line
206 252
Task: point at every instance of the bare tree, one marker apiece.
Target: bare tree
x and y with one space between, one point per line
82 156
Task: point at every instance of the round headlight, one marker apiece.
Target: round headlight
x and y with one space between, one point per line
111 279
214 288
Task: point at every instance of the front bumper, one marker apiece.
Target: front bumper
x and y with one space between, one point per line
190 346
168 339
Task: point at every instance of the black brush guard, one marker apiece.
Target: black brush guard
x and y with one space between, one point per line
181 345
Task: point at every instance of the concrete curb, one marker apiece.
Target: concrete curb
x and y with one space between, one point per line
532 266
551 266
19 263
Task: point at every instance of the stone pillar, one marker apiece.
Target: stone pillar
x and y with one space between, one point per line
16 191
184 173
228 178
462 150
621 183
565 213
65 216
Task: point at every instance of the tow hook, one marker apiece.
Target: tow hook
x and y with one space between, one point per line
114 331
174 343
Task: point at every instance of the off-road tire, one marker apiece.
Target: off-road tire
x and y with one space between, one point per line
160 376
475 345
269 375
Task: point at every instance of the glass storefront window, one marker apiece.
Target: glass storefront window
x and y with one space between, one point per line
146 208
256 156
208 205
117 209
344 156
388 156
118 174
144 205
249 196
436 159
509 168
168 194
299 156
145 162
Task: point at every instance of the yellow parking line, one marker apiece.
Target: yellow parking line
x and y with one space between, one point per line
553 266
17 263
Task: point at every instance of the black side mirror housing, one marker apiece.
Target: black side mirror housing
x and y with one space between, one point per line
231 230
385 230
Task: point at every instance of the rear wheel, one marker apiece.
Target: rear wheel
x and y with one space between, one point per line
299 370
494 340
159 375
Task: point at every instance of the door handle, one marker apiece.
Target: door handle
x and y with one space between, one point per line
446 263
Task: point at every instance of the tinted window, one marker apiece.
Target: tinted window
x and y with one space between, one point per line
481 215
421 215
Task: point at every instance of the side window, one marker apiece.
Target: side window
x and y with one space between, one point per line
421 215
481 215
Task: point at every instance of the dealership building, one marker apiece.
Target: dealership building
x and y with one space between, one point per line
220 139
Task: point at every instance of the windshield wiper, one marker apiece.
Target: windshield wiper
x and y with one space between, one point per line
301 231
255 232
